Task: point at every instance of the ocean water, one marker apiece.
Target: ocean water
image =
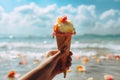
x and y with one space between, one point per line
34 47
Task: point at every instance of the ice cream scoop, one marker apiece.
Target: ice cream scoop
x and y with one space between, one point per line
63 26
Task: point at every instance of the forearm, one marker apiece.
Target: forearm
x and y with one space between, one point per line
47 70
41 72
36 74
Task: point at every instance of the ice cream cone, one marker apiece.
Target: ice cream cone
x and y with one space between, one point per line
63 30
64 41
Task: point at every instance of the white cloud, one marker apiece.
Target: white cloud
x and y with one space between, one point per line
3 17
117 0
108 14
66 10
32 19
1 9
108 22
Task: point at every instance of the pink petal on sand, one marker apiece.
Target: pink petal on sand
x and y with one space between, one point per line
108 77
24 60
17 75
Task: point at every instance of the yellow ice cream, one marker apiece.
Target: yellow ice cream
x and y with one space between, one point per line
64 26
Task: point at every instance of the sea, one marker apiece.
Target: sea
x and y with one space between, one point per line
34 47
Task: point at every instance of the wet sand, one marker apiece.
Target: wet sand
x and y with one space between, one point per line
93 69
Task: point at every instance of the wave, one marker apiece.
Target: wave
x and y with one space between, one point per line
36 44
15 54
98 35
23 36
96 45
46 36
89 37
38 49
45 45
22 45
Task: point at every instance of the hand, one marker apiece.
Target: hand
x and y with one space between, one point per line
54 64
49 68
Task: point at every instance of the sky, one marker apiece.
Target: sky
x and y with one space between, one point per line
37 17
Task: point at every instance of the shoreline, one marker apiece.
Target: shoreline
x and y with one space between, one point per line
95 70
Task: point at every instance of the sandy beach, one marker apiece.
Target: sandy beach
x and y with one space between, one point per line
93 68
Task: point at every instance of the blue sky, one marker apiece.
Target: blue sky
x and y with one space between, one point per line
102 5
35 17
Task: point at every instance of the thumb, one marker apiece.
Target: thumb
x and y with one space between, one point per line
57 56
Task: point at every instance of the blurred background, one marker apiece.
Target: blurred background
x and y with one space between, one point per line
26 30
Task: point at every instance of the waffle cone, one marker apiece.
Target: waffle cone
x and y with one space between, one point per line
64 41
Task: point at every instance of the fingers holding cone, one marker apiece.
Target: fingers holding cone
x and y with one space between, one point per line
68 63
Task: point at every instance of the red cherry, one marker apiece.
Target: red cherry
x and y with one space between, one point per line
64 18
